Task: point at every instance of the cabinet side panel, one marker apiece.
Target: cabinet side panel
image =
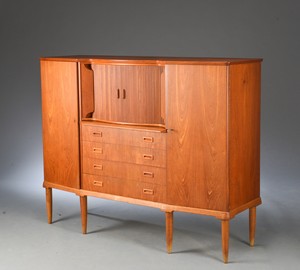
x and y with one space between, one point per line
244 133
196 144
60 123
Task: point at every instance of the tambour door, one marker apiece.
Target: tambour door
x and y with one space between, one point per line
196 141
128 93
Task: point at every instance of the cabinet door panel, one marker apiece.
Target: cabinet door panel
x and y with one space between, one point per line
107 84
60 123
128 93
142 86
196 144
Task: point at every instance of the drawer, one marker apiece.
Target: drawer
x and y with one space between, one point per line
125 188
124 153
119 135
148 174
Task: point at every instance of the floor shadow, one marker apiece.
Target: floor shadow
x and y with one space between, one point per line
64 218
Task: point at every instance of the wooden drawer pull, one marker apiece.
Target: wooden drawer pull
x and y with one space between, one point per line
98 167
148 191
148 174
98 150
98 183
97 134
148 139
148 156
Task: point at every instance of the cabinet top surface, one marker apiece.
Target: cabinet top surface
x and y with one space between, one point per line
149 60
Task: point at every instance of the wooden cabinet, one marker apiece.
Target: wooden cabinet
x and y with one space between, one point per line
178 134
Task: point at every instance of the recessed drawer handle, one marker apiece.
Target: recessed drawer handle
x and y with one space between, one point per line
98 167
148 174
98 183
97 150
148 157
97 134
148 191
148 139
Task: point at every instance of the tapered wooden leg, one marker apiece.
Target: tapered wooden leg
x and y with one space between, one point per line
83 208
252 225
49 204
225 239
169 231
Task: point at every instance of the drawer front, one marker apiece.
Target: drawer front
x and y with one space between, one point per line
124 153
148 174
126 188
139 138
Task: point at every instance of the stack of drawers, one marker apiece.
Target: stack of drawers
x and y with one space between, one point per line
124 162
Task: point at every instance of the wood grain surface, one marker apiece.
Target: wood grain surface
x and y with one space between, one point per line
60 123
244 134
128 93
196 143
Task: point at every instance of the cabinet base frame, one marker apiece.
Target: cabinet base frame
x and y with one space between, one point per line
168 209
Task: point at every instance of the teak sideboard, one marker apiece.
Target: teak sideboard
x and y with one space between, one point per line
178 134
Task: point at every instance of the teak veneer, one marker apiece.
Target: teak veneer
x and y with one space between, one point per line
178 134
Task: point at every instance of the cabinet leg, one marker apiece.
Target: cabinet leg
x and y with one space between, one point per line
169 231
225 239
252 225
49 204
83 208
